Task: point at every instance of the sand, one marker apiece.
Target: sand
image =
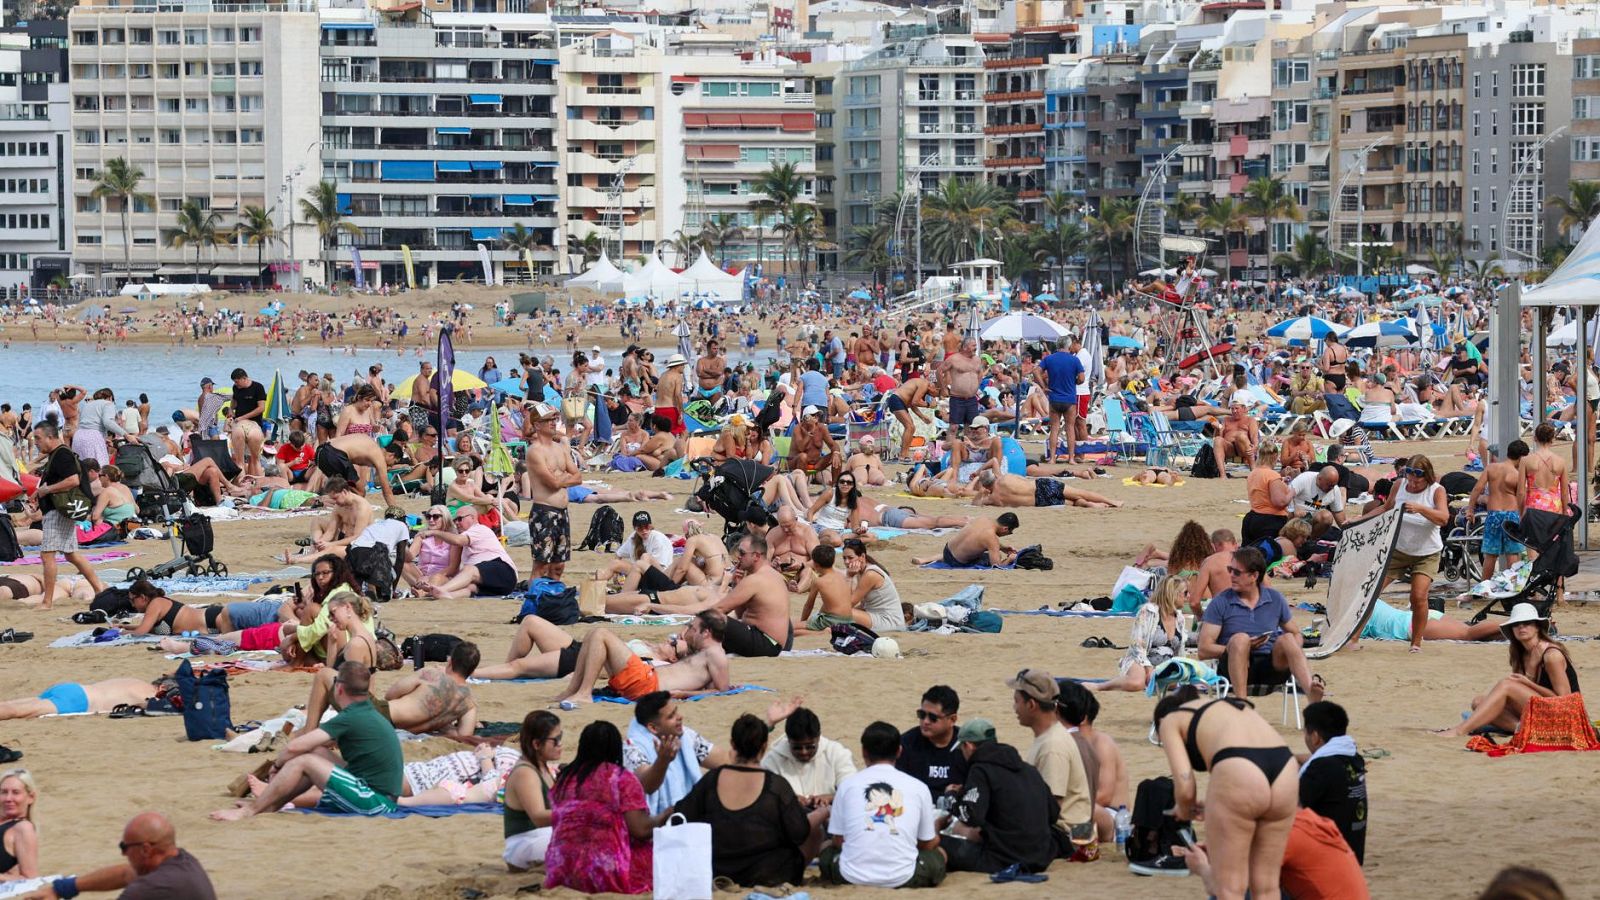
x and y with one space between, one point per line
1443 820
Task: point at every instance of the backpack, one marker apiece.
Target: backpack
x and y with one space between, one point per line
373 567
1154 833
388 658
1205 464
604 529
10 547
206 711
1033 558
550 600
433 647
850 638
984 621
113 601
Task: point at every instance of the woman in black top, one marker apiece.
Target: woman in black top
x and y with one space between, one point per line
19 841
758 827
1540 667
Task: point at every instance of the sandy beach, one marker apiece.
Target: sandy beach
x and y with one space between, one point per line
1443 820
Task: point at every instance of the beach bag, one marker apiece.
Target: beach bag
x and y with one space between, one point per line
198 538
605 529
682 866
113 602
849 638
1154 833
984 621
10 547
373 567
591 596
433 647
550 600
206 713
388 658
1033 558
1205 464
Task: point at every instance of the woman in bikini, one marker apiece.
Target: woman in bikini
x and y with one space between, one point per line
1543 489
162 614
1540 667
19 840
868 514
29 589
349 638
361 416
1251 796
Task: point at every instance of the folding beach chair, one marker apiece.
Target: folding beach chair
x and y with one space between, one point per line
1166 447
216 450
1117 427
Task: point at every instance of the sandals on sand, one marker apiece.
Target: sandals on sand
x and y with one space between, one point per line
1101 643
13 636
127 711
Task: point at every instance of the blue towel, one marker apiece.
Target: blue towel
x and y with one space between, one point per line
680 777
1065 613
401 812
601 696
941 564
523 680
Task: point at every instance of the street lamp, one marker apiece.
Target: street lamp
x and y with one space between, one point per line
296 283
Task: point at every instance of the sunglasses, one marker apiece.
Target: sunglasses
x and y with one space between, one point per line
1235 571
925 716
434 516
1412 470
124 846
463 518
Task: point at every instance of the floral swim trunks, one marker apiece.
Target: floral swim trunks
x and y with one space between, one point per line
550 534
1496 542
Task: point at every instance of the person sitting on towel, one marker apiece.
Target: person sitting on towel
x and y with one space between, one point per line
978 544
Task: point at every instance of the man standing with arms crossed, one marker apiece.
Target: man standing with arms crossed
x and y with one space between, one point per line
551 470
959 376
1061 372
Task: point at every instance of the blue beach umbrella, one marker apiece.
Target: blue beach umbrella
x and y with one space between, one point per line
1304 328
508 386
1123 342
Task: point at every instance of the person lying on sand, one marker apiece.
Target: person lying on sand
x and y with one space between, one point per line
1056 470
436 701
582 494
977 543
70 698
1017 490
921 482
705 667
538 650
29 589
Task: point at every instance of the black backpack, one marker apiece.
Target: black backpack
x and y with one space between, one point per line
1154 833
605 528
1205 464
10 547
373 567
198 538
113 602
1033 558
771 411
434 647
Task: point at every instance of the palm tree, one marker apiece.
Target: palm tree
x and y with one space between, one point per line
782 186
867 247
1265 198
718 231
1442 262
121 179
258 229
197 228
801 227
1577 210
1481 270
1185 210
1225 216
1111 231
1063 209
958 217
1308 257
592 246
685 246
522 239
320 207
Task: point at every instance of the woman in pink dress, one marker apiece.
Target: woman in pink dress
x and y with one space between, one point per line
602 827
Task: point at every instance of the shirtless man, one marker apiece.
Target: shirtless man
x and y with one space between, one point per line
69 698
436 701
704 667
958 378
865 349
915 397
1018 490
425 400
1241 434
708 372
660 447
670 392
760 599
829 585
977 543
1213 576
789 545
349 515
866 465
539 650
1057 469
810 439
1499 479
551 470
353 451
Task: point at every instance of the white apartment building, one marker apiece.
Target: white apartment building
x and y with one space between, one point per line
35 158
214 104
439 134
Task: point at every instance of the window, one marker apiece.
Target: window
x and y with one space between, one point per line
1477 85
1527 119
139 35
1494 160
824 120
222 35
1581 107
1476 123
1474 201
194 37
169 37
1286 156
1494 199
1586 67
250 68
1494 122
1527 80
249 102
85 38
250 35
1475 167
1494 84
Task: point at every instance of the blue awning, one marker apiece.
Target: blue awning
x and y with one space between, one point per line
483 196
545 62
486 234
492 166
453 130
519 200
455 166
484 98
407 170
348 26
544 165
343 204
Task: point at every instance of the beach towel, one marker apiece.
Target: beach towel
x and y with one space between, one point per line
210 586
884 533
526 679
941 564
602 696
402 812
681 775
88 639
1548 724
918 497
1066 613
1134 482
90 557
25 886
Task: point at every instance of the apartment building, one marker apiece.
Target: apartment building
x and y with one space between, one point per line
35 158
439 135
661 137
1112 130
913 118
213 104
1584 136
1016 69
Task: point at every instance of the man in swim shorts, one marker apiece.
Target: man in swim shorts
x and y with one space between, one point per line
1017 490
760 599
704 667
551 471
72 698
539 650
830 587
978 543
435 701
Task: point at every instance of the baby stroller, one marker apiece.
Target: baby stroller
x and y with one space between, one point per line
160 499
1557 560
726 488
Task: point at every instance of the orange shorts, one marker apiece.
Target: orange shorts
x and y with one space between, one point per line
635 680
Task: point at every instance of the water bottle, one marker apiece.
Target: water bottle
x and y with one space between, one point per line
1124 821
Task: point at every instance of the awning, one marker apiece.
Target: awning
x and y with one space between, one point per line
484 98
519 200
237 271
348 26
486 234
685 79
453 130
540 196
343 204
545 62
490 166
716 152
455 165
694 120
799 122
764 120
540 164
176 270
483 196
407 170
723 120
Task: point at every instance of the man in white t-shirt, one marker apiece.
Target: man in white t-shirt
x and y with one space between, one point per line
883 827
1318 498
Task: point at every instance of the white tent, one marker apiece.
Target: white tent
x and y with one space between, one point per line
653 279
704 279
601 272
1575 281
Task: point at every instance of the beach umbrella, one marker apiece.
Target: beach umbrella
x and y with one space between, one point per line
268 310
1093 332
1454 290
1304 328
277 401
1021 327
685 339
1420 300
974 329
1163 273
1293 292
1047 297
1203 273
499 461
1389 333
460 380
860 294
1123 342
1346 292
509 386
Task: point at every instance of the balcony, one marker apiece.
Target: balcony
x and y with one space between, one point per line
1011 96
863 99
1024 128
1319 134
1013 162
863 163
1065 119
862 131
1319 173
1023 62
1323 93
939 128
1195 109
1029 196
1158 110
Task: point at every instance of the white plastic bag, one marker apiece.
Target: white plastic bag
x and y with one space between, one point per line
682 857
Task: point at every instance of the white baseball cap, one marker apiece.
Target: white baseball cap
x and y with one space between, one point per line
810 410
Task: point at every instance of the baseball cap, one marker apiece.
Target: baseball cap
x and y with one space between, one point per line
979 422
1036 684
976 731
641 518
206 381
810 410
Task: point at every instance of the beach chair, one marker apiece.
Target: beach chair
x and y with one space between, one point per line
1117 427
1291 697
216 450
1275 418
1166 447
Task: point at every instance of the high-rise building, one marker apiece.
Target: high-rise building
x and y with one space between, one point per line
35 158
1015 67
212 105
439 134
